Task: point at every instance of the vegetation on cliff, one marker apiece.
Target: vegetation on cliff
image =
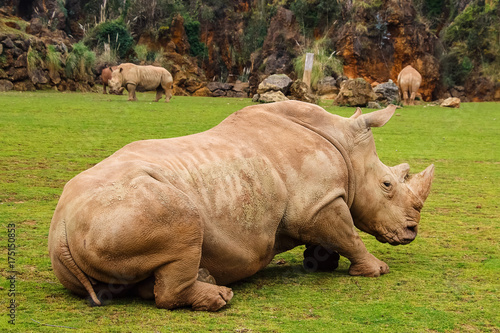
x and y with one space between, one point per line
451 42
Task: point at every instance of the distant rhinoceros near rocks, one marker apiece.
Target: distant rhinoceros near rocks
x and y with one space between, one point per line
409 80
166 217
131 77
105 77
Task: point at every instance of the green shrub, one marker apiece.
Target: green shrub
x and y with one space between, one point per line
472 41
34 59
106 59
80 62
254 35
114 33
455 69
325 62
53 59
141 51
155 56
310 13
197 49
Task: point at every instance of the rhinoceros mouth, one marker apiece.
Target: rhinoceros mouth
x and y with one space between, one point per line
394 239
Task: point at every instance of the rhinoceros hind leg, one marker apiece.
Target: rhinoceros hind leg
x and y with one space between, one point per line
317 258
145 288
405 98
159 93
174 288
412 98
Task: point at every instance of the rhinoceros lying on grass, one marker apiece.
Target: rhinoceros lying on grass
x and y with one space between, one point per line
158 215
131 77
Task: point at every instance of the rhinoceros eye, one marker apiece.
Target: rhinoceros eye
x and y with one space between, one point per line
387 184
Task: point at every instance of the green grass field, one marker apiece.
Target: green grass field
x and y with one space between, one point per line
447 280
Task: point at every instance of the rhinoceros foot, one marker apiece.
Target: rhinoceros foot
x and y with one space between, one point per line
370 267
209 297
204 276
317 258
145 289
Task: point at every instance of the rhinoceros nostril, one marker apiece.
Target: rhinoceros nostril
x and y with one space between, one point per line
412 229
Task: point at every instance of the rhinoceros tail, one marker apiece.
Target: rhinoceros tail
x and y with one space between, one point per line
67 260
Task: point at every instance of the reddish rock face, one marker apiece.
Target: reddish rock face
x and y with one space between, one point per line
388 42
280 45
178 35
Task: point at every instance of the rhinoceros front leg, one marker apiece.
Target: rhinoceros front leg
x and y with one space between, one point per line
335 231
131 92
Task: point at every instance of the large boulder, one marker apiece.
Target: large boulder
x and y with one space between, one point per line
6 85
387 92
18 74
24 86
275 82
214 86
300 91
270 97
237 89
240 89
327 88
355 92
451 102
38 76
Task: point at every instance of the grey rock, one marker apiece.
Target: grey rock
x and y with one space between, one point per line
387 92
275 82
272 96
355 92
6 85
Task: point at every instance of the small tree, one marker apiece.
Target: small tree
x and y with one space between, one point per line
113 33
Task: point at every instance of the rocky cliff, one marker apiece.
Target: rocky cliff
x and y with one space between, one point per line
380 40
231 40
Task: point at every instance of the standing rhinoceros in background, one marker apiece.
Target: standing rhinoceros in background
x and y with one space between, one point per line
105 77
131 77
160 216
409 80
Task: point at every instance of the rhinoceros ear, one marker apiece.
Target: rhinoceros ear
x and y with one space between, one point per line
378 118
357 113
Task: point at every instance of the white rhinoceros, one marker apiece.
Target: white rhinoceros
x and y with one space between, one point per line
157 214
409 80
129 76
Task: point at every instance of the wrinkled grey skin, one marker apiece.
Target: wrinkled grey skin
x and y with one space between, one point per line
167 217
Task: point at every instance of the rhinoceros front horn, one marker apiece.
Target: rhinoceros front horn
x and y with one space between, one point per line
421 182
